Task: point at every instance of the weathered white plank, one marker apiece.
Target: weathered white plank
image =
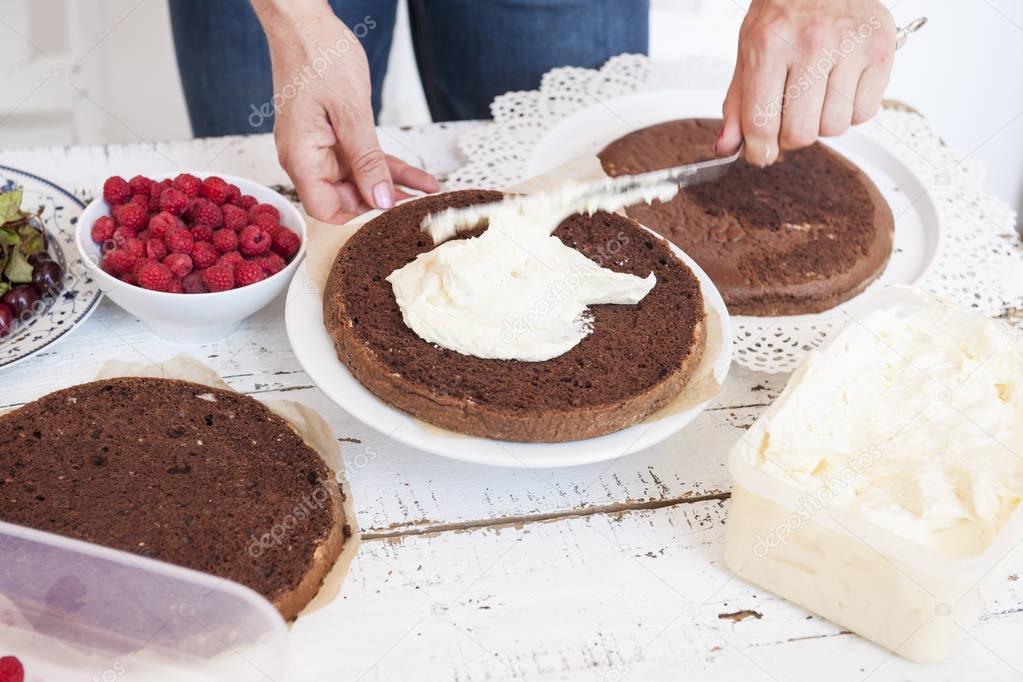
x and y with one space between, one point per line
638 595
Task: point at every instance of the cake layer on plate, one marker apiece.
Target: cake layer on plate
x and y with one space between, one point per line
800 236
637 358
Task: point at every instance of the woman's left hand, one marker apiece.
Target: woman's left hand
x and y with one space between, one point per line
805 68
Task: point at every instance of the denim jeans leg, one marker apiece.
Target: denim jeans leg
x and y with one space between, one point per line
225 63
470 51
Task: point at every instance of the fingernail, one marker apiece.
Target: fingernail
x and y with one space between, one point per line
383 195
717 140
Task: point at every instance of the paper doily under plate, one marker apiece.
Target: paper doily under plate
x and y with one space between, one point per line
952 237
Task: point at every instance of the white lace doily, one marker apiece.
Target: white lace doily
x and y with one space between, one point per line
979 261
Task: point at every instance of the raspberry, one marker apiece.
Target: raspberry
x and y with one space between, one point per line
127 278
234 218
231 258
140 199
122 235
156 249
179 240
189 184
135 247
248 272
202 233
140 184
157 188
119 261
103 229
122 232
131 215
124 239
203 255
218 278
180 264
233 193
192 283
264 209
205 212
176 287
138 265
263 220
272 264
155 276
11 669
246 201
214 189
225 240
253 241
116 190
155 192
144 236
161 223
286 243
173 201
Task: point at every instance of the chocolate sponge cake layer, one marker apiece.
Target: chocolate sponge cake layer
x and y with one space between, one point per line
181 472
799 236
635 360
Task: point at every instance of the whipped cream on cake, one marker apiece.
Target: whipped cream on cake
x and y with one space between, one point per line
913 420
515 292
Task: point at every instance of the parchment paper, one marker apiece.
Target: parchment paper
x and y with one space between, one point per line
309 425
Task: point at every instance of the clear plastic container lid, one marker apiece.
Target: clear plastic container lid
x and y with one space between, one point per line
71 608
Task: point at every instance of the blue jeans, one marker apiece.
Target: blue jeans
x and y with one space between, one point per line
468 51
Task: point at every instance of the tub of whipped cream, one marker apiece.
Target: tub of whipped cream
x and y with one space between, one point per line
881 490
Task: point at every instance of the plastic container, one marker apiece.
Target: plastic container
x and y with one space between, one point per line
74 610
906 597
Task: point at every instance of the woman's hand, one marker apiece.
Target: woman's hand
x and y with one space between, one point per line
324 129
805 68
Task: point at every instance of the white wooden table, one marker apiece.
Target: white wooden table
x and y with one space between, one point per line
604 572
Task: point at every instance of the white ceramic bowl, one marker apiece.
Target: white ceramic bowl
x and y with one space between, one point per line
193 318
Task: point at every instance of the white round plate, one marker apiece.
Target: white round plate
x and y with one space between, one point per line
315 352
80 295
917 226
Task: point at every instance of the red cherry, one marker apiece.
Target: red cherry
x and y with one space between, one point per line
6 319
21 299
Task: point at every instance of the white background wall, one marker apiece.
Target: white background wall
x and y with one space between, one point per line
93 71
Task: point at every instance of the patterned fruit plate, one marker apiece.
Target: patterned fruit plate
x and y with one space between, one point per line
58 315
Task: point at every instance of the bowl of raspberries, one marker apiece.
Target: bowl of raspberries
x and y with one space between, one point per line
191 254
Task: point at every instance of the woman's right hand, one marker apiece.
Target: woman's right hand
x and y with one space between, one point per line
324 129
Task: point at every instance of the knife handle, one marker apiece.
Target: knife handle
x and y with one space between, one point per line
902 35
